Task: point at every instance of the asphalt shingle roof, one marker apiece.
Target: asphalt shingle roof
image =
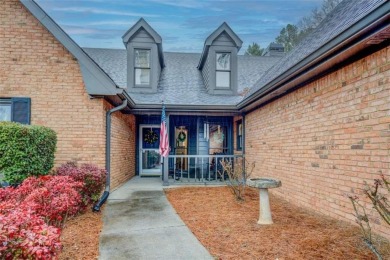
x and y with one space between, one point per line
181 83
340 19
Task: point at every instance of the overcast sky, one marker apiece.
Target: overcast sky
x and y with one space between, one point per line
183 25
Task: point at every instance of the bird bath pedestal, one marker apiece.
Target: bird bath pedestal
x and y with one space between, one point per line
263 184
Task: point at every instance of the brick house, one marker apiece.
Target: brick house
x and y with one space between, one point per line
317 118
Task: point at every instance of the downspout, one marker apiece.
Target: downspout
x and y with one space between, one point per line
108 155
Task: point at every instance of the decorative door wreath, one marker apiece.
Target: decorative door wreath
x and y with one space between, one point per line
181 137
150 137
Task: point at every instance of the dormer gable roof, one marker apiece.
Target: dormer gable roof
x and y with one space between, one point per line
141 24
224 28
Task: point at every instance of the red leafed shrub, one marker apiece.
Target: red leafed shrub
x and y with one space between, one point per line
92 177
19 194
24 235
30 212
53 197
6 193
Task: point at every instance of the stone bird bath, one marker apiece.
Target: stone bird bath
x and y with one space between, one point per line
263 184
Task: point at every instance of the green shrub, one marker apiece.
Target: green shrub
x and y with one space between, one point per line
25 151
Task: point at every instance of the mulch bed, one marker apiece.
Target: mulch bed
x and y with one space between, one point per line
80 236
229 229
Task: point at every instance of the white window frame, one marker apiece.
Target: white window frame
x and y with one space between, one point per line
223 70
8 102
149 68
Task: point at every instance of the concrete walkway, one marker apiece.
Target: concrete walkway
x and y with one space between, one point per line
140 223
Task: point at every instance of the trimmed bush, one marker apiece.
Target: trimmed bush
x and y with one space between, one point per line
25 151
93 178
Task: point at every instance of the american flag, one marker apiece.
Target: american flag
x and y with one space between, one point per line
164 143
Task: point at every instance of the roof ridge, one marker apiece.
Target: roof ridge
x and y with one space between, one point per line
197 53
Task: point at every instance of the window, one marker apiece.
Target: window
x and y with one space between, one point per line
239 135
217 138
142 67
223 70
16 109
5 109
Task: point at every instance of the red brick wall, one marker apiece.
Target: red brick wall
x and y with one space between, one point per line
123 138
34 64
325 139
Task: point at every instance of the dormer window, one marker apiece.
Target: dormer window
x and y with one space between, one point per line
218 63
145 58
222 70
142 67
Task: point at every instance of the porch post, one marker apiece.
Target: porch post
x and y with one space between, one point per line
166 159
243 145
243 134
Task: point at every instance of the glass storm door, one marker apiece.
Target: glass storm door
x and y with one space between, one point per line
150 159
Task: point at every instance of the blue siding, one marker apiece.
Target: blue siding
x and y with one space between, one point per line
203 148
195 125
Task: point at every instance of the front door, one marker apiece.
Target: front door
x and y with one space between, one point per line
149 159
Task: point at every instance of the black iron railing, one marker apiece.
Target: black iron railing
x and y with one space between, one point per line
197 168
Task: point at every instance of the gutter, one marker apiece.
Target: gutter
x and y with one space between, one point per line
126 96
336 47
150 108
106 193
153 108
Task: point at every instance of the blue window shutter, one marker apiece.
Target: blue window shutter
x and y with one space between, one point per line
21 110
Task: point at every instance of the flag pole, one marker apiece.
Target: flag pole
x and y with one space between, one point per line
164 144
162 157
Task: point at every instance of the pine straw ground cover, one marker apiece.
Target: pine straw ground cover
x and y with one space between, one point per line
229 229
80 237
